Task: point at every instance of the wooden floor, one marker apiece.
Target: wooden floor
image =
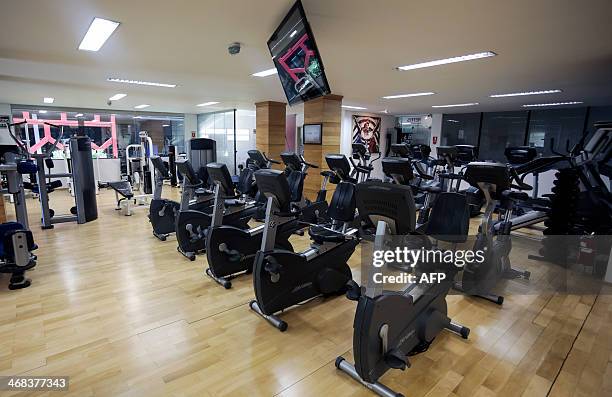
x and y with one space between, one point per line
124 314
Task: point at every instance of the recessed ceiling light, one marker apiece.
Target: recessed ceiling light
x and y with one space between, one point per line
526 93
453 121
99 31
445 61
165 125
353 107
42 111
455 105
207 104
408 95
139 82
117 97
48 100
78 115
144 105
552 104
265 73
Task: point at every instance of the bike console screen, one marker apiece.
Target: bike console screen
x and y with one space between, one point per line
297 59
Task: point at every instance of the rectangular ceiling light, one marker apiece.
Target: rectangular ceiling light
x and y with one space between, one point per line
445 61
42 111
265 73
408 95
99 31
455 105
353 107
139 82
526 93
117 97
48 100
535 105
78 115
144 105
207 104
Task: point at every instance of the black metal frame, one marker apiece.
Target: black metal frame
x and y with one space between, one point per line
320 135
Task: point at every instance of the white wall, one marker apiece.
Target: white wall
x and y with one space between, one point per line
346 136
5 109
436 131
191 125
5 139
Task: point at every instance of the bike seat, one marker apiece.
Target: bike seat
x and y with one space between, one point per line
320 234
515 196
450 175
431 189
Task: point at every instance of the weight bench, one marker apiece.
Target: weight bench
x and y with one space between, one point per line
123 189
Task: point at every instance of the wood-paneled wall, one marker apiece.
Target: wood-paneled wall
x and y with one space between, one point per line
2 210
270 123
326 110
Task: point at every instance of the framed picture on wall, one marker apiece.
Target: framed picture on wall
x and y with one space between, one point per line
312 134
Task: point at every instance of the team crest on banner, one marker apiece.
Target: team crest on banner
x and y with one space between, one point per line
366 129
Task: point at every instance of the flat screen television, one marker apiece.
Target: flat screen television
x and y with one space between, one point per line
312 134
297 59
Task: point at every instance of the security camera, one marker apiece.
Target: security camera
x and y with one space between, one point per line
234 48
109 102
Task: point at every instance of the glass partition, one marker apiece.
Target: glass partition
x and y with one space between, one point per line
460 129
220 127
500 130
110 132
562 126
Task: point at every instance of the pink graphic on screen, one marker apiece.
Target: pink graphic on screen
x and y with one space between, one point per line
299 45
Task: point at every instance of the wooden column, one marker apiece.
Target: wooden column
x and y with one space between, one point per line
270 122
2 210
326 110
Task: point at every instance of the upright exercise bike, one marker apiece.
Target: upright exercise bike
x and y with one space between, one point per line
390 326
282 279
495 180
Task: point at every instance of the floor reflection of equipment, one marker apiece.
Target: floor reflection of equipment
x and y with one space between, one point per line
82 179
16 242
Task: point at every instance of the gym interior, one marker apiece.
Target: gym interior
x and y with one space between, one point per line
305 198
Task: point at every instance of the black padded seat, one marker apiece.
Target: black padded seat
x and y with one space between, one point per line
320 234
450 218
431 189
123 188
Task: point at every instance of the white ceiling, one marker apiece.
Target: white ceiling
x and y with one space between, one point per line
542 44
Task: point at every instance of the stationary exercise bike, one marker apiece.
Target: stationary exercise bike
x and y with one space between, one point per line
391 326
231 250
281 278
495 180
192 225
